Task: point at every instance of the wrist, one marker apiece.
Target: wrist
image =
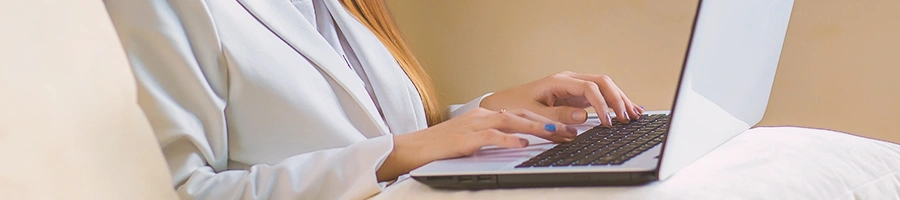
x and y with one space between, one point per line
410 153
405 156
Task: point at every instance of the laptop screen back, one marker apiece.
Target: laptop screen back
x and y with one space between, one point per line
727 76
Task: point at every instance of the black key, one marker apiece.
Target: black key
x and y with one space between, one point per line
567 161
641 149
616 145
631 146
603 160
642 140
601 135
645 129
592 157
574 157
582 162
604 142
581 154
632 137
599 163
616 154
555 157
544 163
605 151
632 154
596 137
567 152
594 148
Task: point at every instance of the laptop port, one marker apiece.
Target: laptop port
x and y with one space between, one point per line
485 179
465 179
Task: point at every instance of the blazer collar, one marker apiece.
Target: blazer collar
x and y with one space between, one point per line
280 17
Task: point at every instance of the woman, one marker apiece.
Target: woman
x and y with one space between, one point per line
317 99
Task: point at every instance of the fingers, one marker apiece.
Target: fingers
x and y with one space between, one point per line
568 86
562 132
612 94
499 138
523 121
630 107
565 114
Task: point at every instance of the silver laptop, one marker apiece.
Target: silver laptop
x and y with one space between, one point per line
724 87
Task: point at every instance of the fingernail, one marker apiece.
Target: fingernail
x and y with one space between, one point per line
523 141
626 116
568 139
579 116
642 107
609 119
572 130
550 127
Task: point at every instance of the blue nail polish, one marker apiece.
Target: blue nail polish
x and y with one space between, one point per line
550 127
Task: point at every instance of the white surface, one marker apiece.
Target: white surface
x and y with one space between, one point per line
762 163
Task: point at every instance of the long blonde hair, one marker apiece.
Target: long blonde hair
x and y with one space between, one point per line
375 15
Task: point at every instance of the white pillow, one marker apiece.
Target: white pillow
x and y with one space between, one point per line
762 163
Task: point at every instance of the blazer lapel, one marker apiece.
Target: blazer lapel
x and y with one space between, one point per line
280 17
398 98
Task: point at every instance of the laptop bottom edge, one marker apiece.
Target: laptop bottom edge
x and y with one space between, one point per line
488 181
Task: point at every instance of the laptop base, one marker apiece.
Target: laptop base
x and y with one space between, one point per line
539 180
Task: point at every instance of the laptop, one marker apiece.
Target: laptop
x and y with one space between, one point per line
726 78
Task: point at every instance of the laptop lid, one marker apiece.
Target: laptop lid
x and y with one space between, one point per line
727 76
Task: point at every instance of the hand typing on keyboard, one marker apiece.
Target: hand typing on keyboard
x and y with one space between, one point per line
564 96
465 134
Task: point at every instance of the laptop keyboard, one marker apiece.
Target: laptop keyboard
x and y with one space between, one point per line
605 146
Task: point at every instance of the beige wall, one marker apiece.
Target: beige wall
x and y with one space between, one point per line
837 70
70 126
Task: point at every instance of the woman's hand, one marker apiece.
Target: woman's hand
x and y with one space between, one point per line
466 134
564 96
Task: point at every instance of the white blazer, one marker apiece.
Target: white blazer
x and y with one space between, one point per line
248 100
